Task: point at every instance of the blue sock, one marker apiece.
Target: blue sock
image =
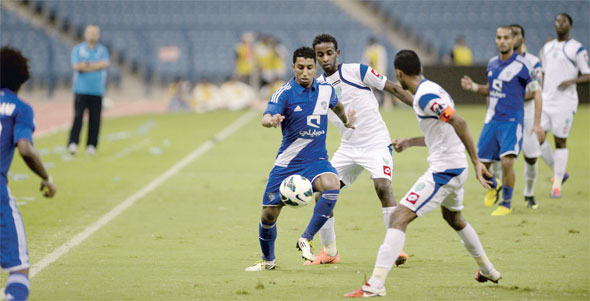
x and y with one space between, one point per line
267 234
17 287
321 212
493 179
506 196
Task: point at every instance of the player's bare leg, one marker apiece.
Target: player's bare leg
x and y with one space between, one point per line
560 162
392 245
388 205
470 240
508 179
530 178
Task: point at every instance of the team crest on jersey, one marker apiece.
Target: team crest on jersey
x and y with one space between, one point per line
338 91
324 105
271 196
386 161
412 198
490 73
419 186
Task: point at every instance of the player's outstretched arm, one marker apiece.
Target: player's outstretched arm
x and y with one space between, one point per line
27 151
401 144
272 120
347 118
462 131
468 84
399 92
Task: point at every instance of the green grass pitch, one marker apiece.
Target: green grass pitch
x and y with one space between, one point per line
192 237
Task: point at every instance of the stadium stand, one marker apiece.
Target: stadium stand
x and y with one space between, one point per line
49 57
439 22
205 32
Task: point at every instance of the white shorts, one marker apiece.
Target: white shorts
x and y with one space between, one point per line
350 162
530 143
437 188
558 120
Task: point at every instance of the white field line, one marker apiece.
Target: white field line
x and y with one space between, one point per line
105 219
126 151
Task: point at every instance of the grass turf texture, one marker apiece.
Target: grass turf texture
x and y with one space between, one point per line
193 236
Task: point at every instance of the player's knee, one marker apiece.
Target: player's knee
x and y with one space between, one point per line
269 215
560 142
401 217
530 161
507 161
454 219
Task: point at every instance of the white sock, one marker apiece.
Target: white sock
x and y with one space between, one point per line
530 178
388 252
561 155
328 237
471 242
547 154
387 211
497 171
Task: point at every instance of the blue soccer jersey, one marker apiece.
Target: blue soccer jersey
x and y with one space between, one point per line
16 122
306 122
507 81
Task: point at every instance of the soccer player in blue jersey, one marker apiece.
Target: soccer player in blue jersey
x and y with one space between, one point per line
501 137
300 107
16 130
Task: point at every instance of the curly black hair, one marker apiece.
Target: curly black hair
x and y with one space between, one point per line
304 52
15 68
325 38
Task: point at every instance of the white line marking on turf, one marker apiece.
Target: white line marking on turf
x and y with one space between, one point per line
126 151
105 219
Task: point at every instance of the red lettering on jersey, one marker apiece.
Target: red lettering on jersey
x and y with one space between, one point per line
387 170
436 108
412 198
375 73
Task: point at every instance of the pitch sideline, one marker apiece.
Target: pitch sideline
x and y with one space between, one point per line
117 210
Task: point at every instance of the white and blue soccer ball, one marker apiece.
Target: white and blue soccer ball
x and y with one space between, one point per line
296 191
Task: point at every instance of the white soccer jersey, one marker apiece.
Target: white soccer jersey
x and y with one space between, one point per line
352 83
434 107
561 61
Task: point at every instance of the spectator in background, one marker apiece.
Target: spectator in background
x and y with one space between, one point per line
177 91
375 56
238 94
270 54
207 97
244 62
461 53
90 61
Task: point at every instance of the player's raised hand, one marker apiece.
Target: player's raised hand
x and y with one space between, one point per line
481 172
538 130
466 82
351 117
272 120
400 144
48 188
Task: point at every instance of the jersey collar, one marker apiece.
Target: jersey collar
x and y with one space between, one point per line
510 59
299 89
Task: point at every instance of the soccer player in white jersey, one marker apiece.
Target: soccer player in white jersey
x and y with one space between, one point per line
533 134
562 59
447 136
368 146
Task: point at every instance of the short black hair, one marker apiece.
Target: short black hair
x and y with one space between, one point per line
325 38
15 68
509 27
567 16
408 62
304 52
521 29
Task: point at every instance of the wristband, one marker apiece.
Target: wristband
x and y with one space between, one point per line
474 87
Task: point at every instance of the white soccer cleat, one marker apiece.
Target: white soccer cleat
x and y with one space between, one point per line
494 276
367 291
262 265
306 249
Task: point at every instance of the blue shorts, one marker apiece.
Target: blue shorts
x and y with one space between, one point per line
498 139
13 242
311 171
